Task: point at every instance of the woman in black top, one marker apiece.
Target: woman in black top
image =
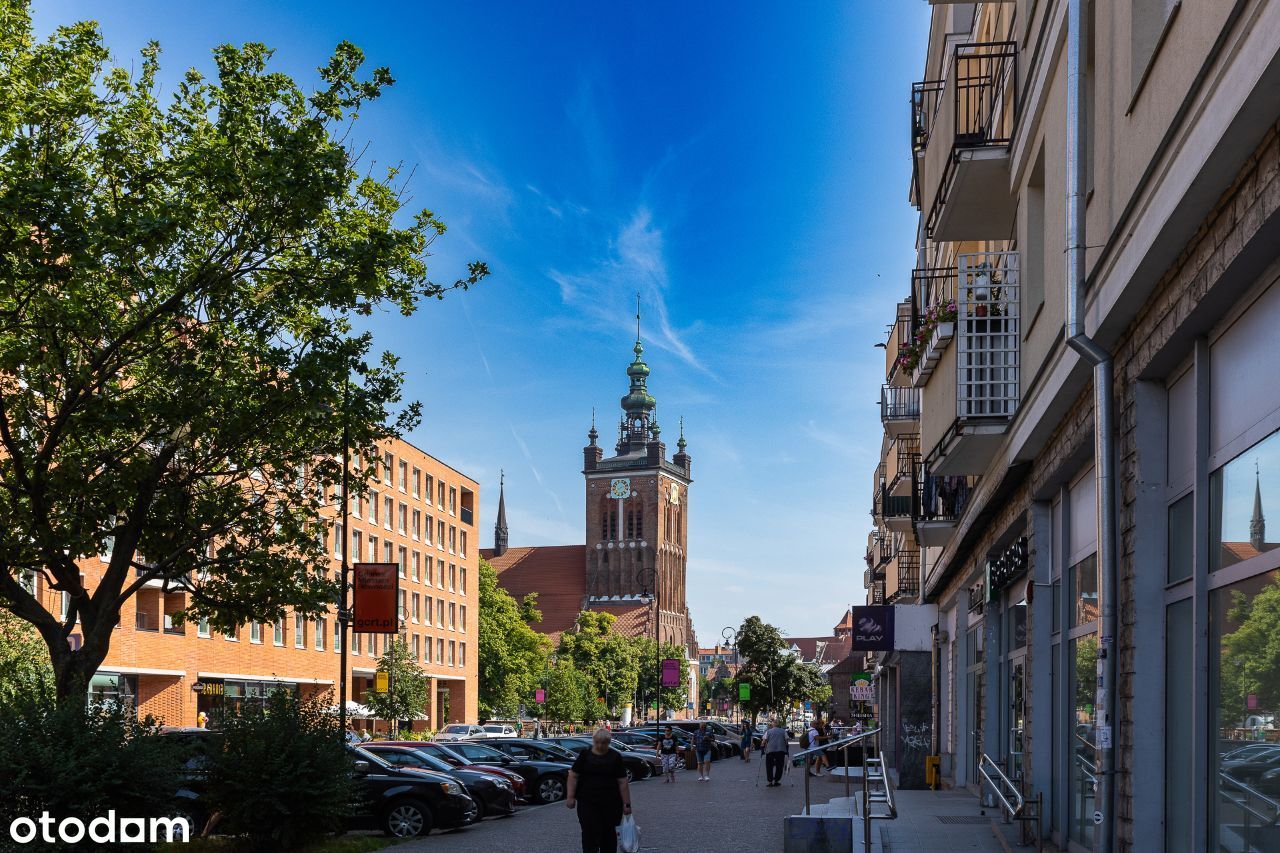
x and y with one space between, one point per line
598 789
669 748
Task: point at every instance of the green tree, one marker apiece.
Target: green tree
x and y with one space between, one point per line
409 690
176 341
649 662
567 690
512 655
760 652
1251 655
609 659
24 660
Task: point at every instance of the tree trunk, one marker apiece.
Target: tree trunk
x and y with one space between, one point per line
73 669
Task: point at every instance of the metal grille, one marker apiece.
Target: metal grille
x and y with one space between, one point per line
960 819
899 404
988 333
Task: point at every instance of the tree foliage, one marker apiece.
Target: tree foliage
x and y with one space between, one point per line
776 677
24 660
1251 655
512 655
409 689
609 660
650 673
567 692
180 278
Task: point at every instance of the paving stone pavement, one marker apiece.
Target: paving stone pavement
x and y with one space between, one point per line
733 813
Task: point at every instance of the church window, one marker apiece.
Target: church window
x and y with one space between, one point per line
635 524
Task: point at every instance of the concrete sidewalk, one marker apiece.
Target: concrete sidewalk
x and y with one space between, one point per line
949 820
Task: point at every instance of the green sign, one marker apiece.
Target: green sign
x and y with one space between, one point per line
744 692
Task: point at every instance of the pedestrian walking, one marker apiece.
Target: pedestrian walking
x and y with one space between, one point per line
598 790
669 751
704 742
746 741
824 738
812 741
775 750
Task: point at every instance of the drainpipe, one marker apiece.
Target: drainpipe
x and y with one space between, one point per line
1103 423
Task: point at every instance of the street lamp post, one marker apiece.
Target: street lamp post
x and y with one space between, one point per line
730 637
344 614
645 577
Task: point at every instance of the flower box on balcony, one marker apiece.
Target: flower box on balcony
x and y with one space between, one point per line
932 354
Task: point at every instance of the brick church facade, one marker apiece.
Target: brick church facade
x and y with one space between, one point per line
633 560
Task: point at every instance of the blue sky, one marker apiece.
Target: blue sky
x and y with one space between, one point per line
743 165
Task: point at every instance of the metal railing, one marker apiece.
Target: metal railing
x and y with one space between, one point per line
899 404
1245 797
801 759
1013 805
932 289
988 335
941 498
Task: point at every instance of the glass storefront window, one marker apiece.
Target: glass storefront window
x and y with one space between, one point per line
1238 495
1017 626
1082 591
1182 531
108 689
1082 746
1179 702
1245 646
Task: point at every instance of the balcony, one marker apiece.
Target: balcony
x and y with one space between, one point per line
895 511
875 594
939 504
988 338
962 128
899 341
899 410
902 579
900 464
933 319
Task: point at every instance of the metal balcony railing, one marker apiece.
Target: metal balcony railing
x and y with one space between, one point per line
899 404
897 340
941 498
895 507
906 453
877 592
987 335
933 289
908 573
466 515
925 97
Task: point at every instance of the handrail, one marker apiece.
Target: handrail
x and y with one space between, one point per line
1088 768
835 744
1250 791
1004 780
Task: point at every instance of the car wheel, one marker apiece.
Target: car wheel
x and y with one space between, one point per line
407 819
646 771
481 811
192 817
551 789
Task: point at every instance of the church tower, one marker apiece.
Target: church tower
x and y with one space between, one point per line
637 510
1258 523
500 526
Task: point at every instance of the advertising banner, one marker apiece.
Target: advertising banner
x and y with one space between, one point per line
861 689
375 586
872 628
670 672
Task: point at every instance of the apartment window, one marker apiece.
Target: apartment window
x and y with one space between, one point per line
428 486
462 544
462 617
462 580
202 627
417 607
108 542
233 636
416 649
440 574
255 632
277 632
453 539
404 518
356 644
440 535
389 511
451 650
462 654
426 533
400 559
439 612
355 505
373 549
430 573
453 616
427 610
404 475
453 501
386 551
453 576
415 481
320 634
338 533
416 529
440 650
373 507
400 604
337 635
356 544
417 566
387 463
440 496
299 632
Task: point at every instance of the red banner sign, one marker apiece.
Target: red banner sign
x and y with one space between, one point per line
376 587
670 672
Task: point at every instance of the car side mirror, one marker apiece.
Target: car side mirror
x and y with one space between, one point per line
361 767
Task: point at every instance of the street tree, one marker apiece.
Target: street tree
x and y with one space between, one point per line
566 691
1251 656
609 659
511 654
408 686
24 660
180 281
649 673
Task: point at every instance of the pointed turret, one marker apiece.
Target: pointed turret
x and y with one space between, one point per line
1258 523
682 457
592 453
500 526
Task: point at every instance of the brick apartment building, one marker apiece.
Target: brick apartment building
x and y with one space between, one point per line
420 513
1106 172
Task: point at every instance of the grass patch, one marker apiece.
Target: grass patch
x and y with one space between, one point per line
343 844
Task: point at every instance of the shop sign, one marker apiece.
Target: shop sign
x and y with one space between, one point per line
210 688
1004 568
860 687
539 696
670 672
872 628
376 586
381 682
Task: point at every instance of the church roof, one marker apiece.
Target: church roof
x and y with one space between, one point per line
821 650
634 620
557 573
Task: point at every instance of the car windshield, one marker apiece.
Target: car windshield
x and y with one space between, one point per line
495 728
425 759
457 730
477 752
359 754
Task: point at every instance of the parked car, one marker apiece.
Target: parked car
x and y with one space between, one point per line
636 740
1249 750
406 803
500 730
193 747
493 794
546 781
1251 768
441 751
725 747
639 765
460 731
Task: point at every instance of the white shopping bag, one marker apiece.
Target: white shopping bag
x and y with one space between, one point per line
629 835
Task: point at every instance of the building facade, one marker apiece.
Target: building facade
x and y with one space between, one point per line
1080 443
418 513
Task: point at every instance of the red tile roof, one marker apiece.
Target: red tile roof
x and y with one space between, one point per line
634 620
557 573
847 621
821 650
